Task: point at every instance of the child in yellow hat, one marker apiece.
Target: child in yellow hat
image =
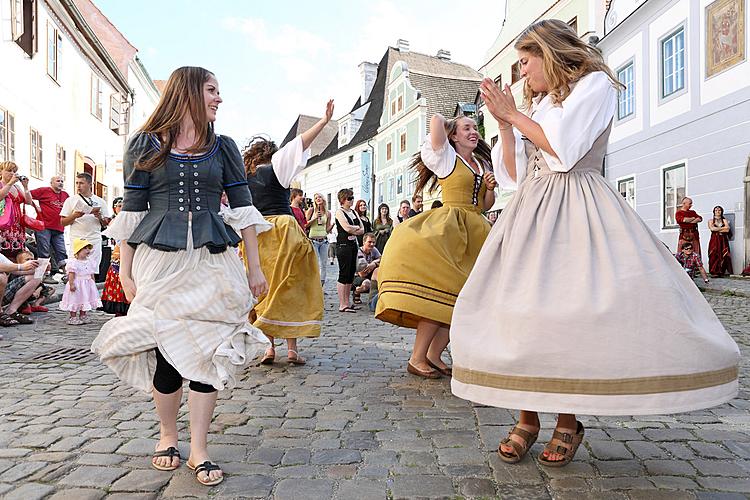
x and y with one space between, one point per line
80 293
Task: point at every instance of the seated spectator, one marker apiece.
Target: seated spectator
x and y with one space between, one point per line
42 292
368 260
691 261
17 284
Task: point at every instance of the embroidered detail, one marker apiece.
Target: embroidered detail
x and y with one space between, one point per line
188 158
240 183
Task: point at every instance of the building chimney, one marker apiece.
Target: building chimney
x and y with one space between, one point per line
368 72
402 45
445 55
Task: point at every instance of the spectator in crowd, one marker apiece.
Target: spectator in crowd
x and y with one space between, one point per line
17 284
35 303
417 204
86 214
52 238
319 225
361 208
296 201
691 261
368 260
688 220
436 204
113 295
492 217
348 227
80 295
719 258
13 234
403 212
382 227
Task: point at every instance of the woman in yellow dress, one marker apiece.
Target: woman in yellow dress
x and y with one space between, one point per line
428 257
293 307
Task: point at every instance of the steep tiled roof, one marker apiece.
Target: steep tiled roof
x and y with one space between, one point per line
460 82
305 122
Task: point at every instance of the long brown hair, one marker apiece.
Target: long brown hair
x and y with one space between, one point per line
183 95
565 58
387 214
258 151
426 176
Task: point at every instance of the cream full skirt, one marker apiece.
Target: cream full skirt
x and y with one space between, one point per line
574 306
193 306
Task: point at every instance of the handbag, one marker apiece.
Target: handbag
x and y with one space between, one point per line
7 211
31 222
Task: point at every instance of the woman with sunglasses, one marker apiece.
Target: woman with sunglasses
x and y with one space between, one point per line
349 226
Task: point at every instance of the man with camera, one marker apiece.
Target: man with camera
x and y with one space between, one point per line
52 238
86 214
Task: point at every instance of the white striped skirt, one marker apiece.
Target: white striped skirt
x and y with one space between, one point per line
193 306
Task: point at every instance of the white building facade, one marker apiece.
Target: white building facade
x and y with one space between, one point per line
682 126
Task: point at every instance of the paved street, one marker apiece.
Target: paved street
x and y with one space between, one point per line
352 424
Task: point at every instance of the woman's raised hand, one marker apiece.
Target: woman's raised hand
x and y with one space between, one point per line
329 110
500 103
490 181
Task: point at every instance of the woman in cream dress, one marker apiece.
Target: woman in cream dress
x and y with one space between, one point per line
574 306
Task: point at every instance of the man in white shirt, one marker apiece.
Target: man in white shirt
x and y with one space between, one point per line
86 213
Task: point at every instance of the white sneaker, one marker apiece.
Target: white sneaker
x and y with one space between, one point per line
74 321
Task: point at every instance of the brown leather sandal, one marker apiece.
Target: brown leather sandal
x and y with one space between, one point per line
519 449
555 445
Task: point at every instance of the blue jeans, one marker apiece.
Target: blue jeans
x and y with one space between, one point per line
321 248
51 239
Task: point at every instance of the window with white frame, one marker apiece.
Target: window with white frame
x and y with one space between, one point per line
60 161
54 49
673 63
673 191
402 141
391 192
7 136
626 98
400 103
16 19
400 184
36 153
380 192
626 187
23 25
388 152
96 96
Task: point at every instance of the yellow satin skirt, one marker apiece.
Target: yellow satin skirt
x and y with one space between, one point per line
293 306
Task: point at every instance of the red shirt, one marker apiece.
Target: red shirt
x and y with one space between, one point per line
51 203
300 216
680 216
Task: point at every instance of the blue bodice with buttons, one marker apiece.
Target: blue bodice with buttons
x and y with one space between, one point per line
184 188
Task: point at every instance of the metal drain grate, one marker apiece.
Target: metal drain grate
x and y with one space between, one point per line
64 355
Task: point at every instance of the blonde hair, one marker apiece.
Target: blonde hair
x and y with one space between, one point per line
323 199
8 166
565 58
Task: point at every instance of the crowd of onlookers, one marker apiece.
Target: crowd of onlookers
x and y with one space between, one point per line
33 248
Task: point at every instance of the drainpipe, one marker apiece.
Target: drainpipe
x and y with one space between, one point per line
372 179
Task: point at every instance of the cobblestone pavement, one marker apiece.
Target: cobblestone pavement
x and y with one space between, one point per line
351 425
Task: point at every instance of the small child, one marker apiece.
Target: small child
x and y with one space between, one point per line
80 293
40 295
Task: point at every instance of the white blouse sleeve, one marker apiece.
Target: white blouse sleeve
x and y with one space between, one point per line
440 161
244 217
504 181
123 225
289 161
572 127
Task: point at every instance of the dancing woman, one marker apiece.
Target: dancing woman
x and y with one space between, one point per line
574 306
293 307
429 257
189 294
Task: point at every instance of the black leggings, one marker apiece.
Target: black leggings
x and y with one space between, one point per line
168 380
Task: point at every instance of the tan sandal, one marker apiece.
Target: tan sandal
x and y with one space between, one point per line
555 445
296 360
268 357
519 449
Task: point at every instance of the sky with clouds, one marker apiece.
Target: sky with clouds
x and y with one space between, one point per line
275 60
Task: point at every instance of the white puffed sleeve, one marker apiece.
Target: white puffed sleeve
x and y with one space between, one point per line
243 217
504 180
572 127
440 161
123 225
289 161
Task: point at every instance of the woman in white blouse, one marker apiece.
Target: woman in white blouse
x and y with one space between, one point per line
574 306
